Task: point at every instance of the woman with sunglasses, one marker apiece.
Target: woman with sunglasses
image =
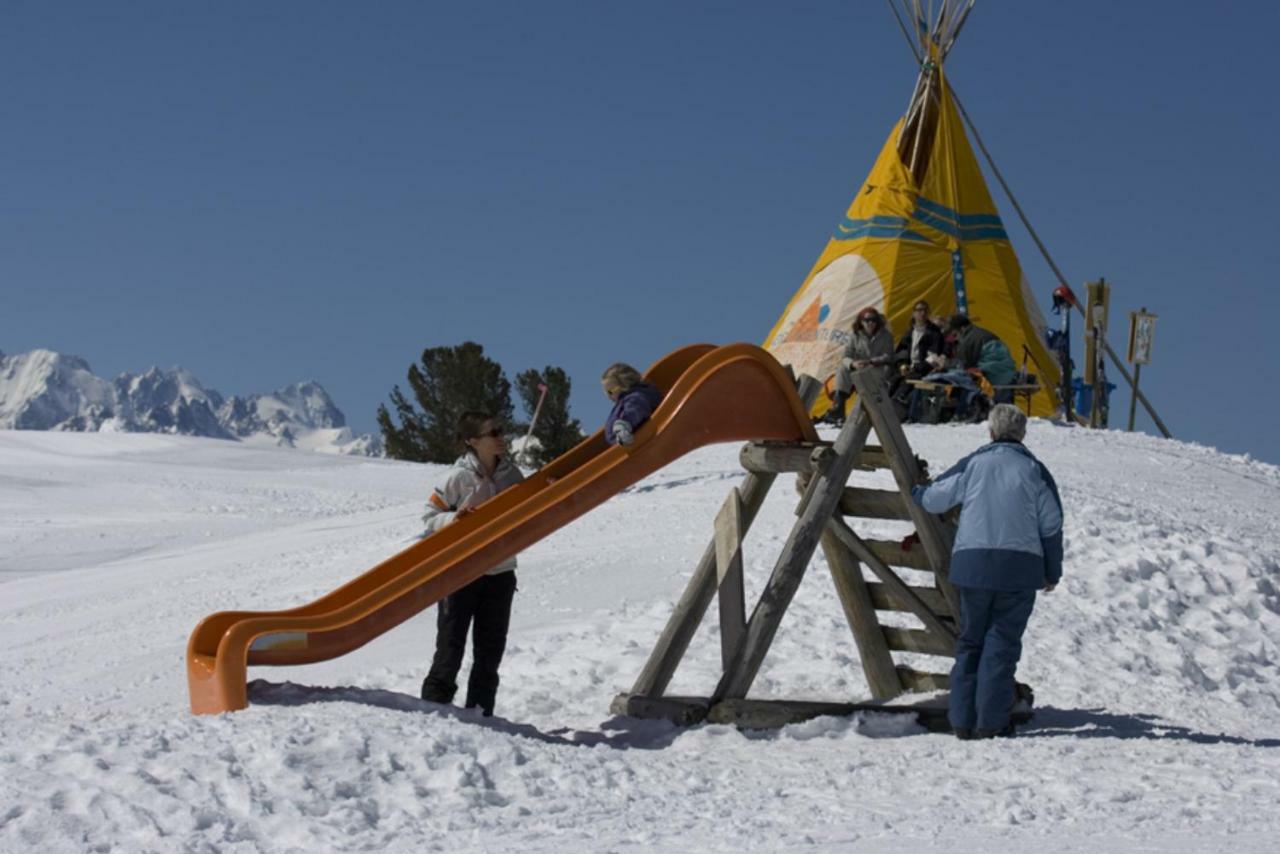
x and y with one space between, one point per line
870 346
480 473
634 400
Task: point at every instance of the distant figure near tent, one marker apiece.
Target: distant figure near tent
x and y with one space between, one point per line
923 227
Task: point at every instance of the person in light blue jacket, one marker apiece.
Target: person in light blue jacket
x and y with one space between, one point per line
1007 547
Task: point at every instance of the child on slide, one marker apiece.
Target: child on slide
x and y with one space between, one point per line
634 400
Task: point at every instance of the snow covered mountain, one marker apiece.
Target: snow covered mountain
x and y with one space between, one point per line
44 390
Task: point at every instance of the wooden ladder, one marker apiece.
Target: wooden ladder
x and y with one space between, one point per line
827 499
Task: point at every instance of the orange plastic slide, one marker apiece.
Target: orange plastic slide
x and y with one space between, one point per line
713 394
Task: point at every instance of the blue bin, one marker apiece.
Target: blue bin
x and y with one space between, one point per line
1084 395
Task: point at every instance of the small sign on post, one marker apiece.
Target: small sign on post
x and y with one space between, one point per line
1142 333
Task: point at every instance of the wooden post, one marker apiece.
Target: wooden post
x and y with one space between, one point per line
855 599
822 496
683 623
1096 311
689 611
733 609
1133 399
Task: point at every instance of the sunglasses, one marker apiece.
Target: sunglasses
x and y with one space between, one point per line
495 433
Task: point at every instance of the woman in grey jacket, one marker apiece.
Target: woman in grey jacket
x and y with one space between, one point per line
479 474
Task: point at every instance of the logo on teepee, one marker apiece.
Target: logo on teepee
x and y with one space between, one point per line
815 330
805 330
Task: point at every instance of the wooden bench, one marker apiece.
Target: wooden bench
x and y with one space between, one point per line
1023 390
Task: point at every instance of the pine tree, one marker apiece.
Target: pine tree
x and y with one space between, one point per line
447 382
555 431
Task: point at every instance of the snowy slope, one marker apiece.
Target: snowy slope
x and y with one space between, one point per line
1155 667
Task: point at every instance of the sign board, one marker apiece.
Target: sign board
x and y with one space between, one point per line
1142 331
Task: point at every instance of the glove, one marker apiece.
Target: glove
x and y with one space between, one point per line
622 432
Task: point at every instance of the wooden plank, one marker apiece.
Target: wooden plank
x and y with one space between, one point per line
873 650
787 457
916 680
892 553
681 711
778 457
937 542
884 600
822 495
733 607
772 714
915 640
689 611
873 503
896 585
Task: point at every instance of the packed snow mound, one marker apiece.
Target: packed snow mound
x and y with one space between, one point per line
1155 666
44 390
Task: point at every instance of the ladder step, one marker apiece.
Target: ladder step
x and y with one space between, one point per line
873 503
892 553
883 599
917 640
915 680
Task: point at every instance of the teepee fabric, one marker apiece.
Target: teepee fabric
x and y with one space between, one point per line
937 238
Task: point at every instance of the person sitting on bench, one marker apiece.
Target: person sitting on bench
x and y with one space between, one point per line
870 347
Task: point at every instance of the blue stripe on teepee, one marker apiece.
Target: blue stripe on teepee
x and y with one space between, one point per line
955 216
887 221
964 231
884 232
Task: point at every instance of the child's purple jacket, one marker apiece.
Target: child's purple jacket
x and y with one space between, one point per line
634 407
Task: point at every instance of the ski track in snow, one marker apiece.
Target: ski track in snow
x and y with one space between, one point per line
1155 666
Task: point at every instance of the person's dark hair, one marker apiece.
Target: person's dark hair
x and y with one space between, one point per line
921 304
469 424
957 321
869 313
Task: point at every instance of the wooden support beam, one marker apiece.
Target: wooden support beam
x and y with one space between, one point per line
681 711
785 457
873 503
896 585
915 640
778 457
689 611
884 600
916 680
821 497
684 620
772 714
873 650
892 553
936 541
733 608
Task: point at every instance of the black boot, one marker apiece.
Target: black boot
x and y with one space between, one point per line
835 415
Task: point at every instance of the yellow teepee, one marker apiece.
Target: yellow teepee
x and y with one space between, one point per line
923 226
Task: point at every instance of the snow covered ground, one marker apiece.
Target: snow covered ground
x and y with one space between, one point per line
1155 667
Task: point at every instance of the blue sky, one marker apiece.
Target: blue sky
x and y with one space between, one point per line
270 192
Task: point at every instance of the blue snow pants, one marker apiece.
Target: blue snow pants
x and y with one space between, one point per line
987 652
